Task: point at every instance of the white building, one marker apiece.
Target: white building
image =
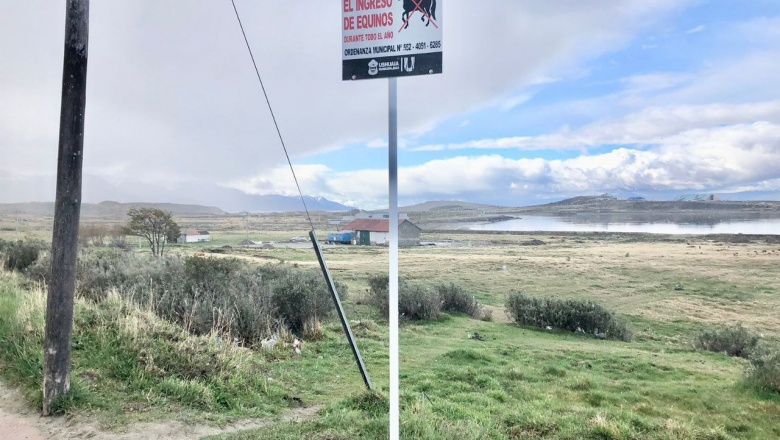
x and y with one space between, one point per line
194 236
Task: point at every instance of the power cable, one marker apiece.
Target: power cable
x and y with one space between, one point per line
317 248
262 86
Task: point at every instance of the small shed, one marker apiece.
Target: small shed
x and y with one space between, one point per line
194 236
376 231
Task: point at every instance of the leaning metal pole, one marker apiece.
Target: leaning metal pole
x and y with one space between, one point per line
67 207
342 316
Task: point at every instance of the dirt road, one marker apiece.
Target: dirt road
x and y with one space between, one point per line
19 422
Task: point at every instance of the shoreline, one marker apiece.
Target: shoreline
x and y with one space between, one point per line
650 236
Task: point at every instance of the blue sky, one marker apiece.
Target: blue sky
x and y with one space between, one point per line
538 101
645 72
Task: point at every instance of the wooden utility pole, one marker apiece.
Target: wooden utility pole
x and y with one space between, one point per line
67 206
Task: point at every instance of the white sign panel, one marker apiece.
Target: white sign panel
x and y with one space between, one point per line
388 38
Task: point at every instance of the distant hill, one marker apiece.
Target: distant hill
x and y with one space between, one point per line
20 190
248 203
583 201
276 203
108 209
448 205
607 203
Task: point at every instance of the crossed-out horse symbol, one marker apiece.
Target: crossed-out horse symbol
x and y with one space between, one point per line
427 7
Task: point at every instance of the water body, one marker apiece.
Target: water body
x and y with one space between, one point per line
617 224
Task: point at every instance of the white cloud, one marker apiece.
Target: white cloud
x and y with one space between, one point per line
515 101
649 126
654 82
172 93
716 129
377 143
696 29
720 159
280 180
763 31
172 98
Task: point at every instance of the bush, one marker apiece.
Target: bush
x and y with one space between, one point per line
250 302
418 302
378 293
93 234
764 372
456 300
414 302
734 341
114 342
571 315
301 298
21 254
207 294
40 271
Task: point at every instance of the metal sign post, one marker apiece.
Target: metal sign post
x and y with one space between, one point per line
392 170
387 39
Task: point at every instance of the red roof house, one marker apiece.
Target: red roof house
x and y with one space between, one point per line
376 231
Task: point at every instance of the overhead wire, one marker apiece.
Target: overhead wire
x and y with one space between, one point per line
273 117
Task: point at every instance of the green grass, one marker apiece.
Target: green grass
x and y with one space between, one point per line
127 364
518 382
569 382
521 383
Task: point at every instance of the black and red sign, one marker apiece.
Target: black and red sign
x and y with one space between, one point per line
390 38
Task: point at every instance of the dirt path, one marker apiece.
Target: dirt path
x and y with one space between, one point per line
18 422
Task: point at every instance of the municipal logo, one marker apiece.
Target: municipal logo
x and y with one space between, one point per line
373 67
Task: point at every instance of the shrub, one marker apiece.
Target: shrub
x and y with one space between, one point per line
40 271
456 300
207 294
734 341
117 238
414 302
93 234
571 315
114 341
21 254
764 371
378 292
301 298
418 302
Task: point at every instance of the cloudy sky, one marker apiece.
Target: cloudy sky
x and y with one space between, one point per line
538 101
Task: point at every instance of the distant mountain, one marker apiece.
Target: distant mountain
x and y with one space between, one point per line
448 205
584 200
41 189
750 196
108 209
275 203
609 204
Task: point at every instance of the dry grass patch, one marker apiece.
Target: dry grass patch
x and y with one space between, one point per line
757 315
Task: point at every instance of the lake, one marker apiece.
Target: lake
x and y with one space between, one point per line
618 224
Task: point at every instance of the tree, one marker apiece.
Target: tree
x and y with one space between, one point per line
173 233
155 225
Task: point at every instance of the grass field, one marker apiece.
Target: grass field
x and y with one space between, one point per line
525 383
522 383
